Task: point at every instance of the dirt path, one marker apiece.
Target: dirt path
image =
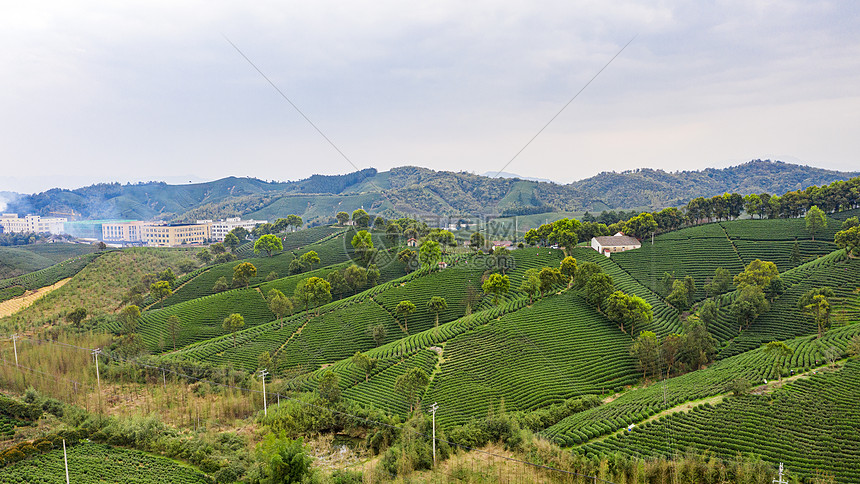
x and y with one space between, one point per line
12 306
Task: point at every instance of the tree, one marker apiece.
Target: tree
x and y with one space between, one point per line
757 273
795 257
708 313
160 290
233 323
281 225
264 229
378 333
818 307
496 285
680 295
329 387
313 291
753 205
362 242
740 386
565 233
816 221
850 222
634 310
76 316
361 218
342 218
241 234
640 226
364 363
130 316
279 304
231 240
284 460
720 283
568 269
221 285
476 241
531 284
337 281
598 288
584 273
749 305
403 310
379 222
204 256
294 221
372 275
309 258
264 361
412 383
669 349
435 305
217 248
849 239
355 277
243 273
168 276
429 253
268 243
531 237
646 350
392 232
778 350
697 345
549 277
173 325
409 259
853 348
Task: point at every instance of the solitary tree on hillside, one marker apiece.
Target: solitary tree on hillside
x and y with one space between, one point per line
779 350
217 248
796 256
816 303
309 258
429 253
233 323
849 239
231 241
476 241
568 269
437 304
243 273
646 350
362 242
584 273
720 283
268 243
496 285
403 310
279 304
364 363
697 344
378 333
160 290
342 218
361 218
130 316
76 316
549 277
816 221
531 284
412 383
204 256
294 221
329 386
598 288
173 328
749 305
221 285
314 292
355 277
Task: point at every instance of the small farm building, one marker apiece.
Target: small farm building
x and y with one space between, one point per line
614 243
412 242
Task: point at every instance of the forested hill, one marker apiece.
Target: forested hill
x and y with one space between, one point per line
414 190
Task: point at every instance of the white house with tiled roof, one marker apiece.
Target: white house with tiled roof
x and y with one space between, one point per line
619 242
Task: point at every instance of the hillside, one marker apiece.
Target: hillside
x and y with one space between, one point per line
418 191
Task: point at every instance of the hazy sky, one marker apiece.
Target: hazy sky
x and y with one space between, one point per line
101 91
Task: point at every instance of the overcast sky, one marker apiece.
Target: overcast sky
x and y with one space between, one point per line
127 91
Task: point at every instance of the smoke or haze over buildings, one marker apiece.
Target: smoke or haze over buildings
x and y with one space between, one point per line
100 91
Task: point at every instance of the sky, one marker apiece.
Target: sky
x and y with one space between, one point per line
132 91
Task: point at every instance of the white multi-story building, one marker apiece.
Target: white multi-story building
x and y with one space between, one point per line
123 231
220 228
11 223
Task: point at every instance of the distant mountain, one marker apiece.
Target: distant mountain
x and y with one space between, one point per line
411 190
505 174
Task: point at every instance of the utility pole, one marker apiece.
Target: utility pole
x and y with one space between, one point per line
780 480
263 374
433 409
65 461
15 346
96 353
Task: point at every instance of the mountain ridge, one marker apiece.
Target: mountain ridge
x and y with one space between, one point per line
413 190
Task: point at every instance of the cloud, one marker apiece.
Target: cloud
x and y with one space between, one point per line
106 89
